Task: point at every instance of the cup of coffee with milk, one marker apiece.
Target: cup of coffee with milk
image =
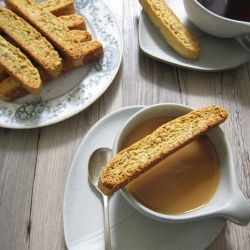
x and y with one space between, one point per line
222 18
197 181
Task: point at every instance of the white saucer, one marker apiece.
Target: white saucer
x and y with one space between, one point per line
216 53
83 214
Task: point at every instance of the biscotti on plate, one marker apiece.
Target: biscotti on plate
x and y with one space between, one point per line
80 36
173 30
16 64
36 46
74 22
59 7
11 89
164 141
49 61
3 74
50 27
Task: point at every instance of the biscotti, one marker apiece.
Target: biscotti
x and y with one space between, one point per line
80 36
31 41
172 29
74 22
16 64
3 74
50 27
10 89
59 7
167 139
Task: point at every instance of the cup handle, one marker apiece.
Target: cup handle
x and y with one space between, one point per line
244 41
238 210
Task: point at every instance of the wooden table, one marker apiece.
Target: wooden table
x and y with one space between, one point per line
34 163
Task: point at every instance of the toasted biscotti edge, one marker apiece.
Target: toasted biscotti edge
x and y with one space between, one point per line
167 139
173 30
59 7
11 89
74 22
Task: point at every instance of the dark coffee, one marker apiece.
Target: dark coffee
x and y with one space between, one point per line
232 9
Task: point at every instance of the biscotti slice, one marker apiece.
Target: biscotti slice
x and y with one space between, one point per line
175 33
3 74
93 50
11 89
16 64
74 22
59 7
50 27
31 41
167 139
80 36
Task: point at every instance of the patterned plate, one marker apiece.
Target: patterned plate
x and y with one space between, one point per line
73 92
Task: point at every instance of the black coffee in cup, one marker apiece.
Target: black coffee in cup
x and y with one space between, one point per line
232 9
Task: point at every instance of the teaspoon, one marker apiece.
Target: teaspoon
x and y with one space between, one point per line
97 160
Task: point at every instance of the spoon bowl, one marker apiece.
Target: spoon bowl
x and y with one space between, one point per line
97 161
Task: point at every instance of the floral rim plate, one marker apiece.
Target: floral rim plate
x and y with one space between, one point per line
83 211
216 53
76 90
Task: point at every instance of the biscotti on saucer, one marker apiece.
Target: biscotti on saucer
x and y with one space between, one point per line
173 30
164 141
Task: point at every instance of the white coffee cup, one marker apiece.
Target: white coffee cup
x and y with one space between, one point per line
228 201
216 25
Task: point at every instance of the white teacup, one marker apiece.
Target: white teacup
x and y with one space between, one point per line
216 25
228 200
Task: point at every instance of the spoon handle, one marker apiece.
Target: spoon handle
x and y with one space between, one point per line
106 224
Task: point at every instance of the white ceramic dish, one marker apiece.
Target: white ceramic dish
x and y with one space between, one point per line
217 54
83 214
76 90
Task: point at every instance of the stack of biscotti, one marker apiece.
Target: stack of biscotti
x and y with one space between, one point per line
37 46
164 141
